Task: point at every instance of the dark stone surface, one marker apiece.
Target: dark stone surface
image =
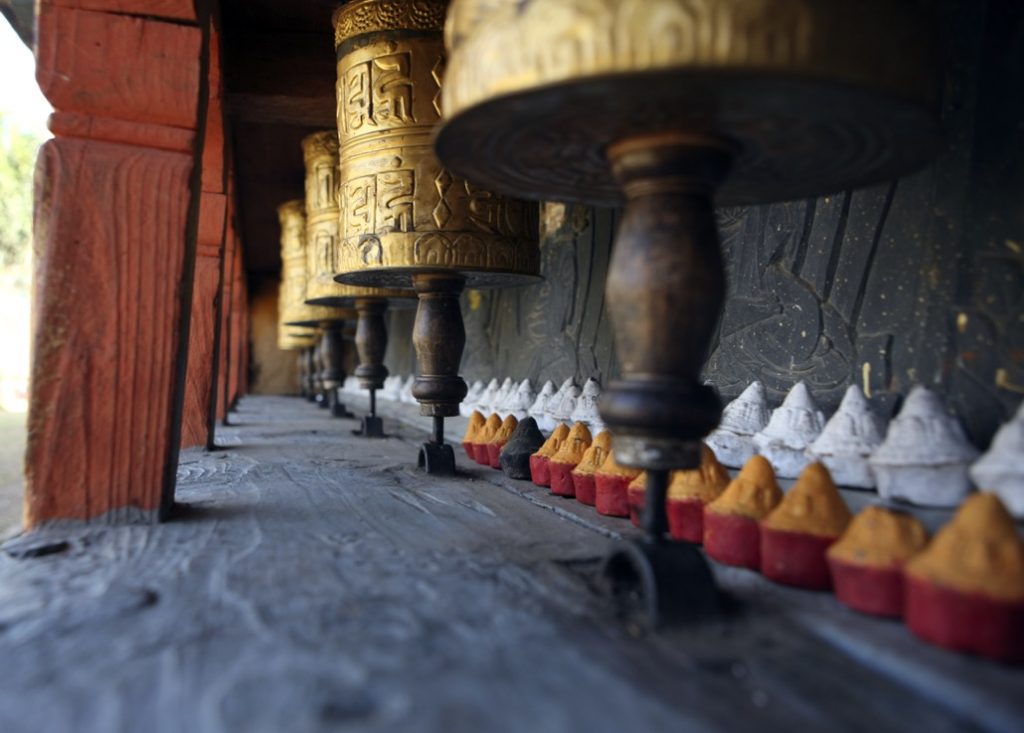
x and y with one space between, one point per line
523 443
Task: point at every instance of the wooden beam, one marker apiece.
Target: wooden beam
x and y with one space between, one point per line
197 425
115 225
282 78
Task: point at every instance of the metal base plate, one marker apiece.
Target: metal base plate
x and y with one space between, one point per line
371 427
657 585
436 459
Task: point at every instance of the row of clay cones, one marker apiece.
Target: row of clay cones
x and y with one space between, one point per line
964 590
549 407
922 456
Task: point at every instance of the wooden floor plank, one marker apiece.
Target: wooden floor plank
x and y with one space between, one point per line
313 581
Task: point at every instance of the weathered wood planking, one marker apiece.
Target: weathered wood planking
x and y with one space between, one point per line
314 581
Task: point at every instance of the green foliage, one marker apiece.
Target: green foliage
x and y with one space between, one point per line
17 161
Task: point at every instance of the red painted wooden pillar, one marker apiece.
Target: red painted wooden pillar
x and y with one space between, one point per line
200 396
239 330
226 352
115 227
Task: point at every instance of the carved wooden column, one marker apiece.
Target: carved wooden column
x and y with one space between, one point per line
224 365
115 223
200 395
239 333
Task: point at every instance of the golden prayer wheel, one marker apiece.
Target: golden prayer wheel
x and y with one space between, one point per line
329 353
289 339
405 219
320 153
294 340
668 106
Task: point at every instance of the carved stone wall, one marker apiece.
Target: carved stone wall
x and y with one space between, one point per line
920 280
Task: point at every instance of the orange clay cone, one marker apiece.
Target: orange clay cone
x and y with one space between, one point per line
476 421
483 437
583 476
688 493
966 590
540 460
732 534
612 486
569 454
795 536
498 440
867 561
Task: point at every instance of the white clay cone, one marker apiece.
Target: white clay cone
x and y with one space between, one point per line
519 401
925 455
405 395
849 438
1001 469
538 410
472 398
483 405
560 408
744 417
586 407
793 426
392 385
498 401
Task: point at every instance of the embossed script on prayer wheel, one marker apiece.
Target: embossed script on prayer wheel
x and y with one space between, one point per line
401 211
292 305
320 152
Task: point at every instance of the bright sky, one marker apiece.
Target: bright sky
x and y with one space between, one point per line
20 98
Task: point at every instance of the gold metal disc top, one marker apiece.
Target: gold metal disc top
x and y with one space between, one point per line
816 95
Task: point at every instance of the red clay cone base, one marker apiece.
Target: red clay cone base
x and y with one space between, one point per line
733 540
539 470
686 520
876 591
795 558
494 454
611 497
561 479
586 488
968 622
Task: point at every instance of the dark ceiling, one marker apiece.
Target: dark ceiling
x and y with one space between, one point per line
279 73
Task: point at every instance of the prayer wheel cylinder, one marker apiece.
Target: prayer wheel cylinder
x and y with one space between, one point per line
296 311
320 153
405 219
